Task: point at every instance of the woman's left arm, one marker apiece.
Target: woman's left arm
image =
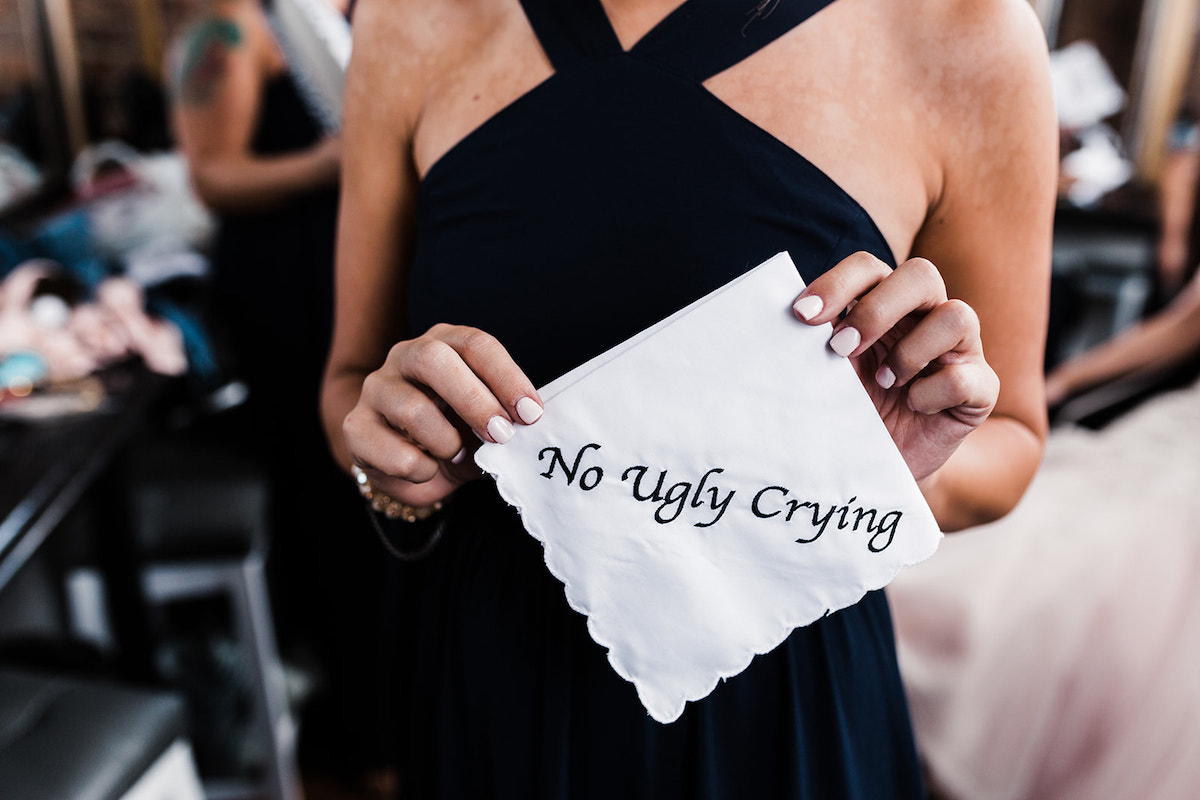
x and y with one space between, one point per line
990 234
951 344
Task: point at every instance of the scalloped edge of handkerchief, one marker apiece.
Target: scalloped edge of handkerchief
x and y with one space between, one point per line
597 629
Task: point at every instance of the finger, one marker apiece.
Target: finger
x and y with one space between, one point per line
409 410
492 363
383 451
968 390
832 292
915 286
949 332
476 377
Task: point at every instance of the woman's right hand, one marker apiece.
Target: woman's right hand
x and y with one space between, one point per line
421 415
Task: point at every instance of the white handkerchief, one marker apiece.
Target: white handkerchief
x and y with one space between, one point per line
711 484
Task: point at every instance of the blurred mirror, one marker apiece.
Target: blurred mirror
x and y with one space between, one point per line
78 72
31 145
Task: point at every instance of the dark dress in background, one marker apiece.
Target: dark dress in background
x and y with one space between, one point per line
272 311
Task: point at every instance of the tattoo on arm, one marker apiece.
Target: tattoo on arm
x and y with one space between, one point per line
205 60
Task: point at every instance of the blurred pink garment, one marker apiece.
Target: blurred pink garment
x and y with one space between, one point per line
78 340
159 343
1055 654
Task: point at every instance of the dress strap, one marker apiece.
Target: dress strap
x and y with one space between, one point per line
697 40
702 38
571 31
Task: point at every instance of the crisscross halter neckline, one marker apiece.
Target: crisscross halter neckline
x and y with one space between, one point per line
693 41
621 157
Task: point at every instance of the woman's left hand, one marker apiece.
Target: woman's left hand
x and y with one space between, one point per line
918 354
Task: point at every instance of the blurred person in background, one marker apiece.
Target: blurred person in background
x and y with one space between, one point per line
1150 348
260 159
1177 246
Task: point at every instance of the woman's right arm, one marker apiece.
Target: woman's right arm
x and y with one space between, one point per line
1155 344
404 411
217 70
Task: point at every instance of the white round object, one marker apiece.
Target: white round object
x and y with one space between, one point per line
50 311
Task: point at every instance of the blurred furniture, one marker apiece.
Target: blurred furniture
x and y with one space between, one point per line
66 739
1103 273
179 522
199 518
49 465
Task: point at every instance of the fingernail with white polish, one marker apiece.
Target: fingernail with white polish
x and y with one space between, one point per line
844 341
459 456
808 307
528 410
885 377
500 429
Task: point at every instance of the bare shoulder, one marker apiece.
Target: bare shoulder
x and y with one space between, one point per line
404 45
427 25
429 71
982 67
992 49
201 52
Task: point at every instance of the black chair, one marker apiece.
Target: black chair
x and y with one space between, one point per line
72 739
199 516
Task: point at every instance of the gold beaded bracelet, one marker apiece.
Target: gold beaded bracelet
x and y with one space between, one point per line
393 509
388 506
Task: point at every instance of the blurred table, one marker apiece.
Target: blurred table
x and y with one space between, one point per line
46 465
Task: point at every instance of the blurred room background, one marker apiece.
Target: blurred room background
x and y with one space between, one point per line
139 585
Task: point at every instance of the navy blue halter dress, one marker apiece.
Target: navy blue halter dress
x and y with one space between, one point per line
609 196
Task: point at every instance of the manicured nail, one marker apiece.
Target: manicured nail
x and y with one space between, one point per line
808 306
885 377
459 456
500 429
844 341
528 410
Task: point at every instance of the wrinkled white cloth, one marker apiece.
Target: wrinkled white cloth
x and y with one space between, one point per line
710 485
1055 654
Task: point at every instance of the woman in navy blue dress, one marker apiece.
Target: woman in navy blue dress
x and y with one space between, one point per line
529 182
